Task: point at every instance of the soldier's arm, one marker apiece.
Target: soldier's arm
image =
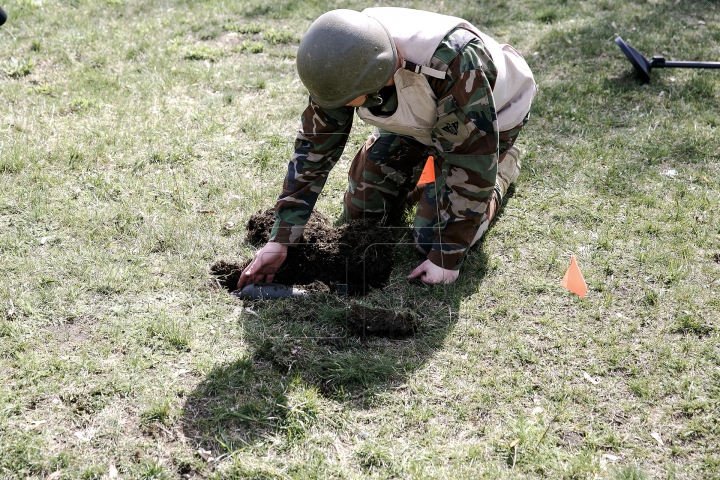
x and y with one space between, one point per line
318 146
467 140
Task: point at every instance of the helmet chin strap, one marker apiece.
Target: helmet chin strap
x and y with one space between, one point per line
372 100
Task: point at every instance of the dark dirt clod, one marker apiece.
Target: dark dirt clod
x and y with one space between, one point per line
359 254
380 322
227 274
316 287
317 229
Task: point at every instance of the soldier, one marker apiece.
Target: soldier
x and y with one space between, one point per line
434 85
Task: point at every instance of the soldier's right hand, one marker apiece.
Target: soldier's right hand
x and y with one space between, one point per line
264 265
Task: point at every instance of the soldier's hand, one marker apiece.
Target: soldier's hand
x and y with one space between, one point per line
264 265
431 274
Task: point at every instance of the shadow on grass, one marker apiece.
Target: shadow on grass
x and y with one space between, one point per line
303 350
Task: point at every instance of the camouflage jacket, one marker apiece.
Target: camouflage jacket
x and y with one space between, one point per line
471 164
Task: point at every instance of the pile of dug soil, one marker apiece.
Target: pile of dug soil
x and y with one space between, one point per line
358 254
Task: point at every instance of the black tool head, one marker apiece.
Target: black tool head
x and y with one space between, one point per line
3 16
641 64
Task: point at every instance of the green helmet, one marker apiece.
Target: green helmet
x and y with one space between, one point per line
343 55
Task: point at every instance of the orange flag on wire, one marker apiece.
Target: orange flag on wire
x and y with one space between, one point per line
428 173
573 279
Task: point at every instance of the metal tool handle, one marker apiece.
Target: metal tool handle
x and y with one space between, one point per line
660 62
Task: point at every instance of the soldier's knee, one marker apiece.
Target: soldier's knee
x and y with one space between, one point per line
351 212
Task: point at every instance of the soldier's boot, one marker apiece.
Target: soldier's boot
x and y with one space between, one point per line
507 171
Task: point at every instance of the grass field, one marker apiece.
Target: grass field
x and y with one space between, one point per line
137 137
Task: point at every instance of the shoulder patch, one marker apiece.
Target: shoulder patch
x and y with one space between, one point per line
452 129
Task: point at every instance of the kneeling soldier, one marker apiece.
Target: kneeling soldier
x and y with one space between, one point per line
433 85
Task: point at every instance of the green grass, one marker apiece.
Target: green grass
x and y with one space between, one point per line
136 139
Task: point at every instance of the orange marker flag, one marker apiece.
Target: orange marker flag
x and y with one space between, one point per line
428 173
573 279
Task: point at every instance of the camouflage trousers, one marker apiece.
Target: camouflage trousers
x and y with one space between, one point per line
388 167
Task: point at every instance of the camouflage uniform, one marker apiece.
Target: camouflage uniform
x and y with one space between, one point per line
466 148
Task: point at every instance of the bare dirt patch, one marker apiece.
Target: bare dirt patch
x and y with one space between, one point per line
74 332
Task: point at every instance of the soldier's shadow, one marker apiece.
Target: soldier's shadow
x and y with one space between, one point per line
303 349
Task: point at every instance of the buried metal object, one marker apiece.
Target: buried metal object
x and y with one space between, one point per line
269 291
643 65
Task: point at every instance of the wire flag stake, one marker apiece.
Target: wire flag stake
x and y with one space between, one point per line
573 279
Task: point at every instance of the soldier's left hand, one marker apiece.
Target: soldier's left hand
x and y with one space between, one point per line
431 274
